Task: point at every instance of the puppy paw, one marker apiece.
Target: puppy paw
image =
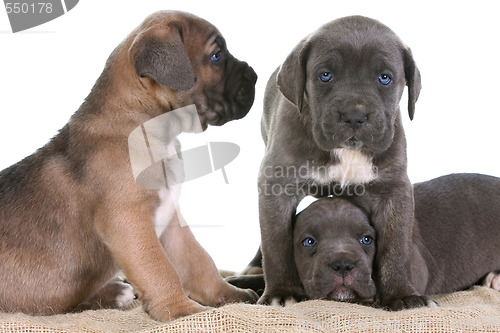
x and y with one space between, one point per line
281 299
433 304
187 310
247 296
176 310
125 297
492 280
407 302
115 295
231 294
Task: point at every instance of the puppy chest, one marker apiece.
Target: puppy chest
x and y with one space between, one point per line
351 167
167 207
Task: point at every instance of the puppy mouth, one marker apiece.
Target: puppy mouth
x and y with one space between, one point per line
352 143
213 117
211 114
342 288
342 293
219 112
223 112
350 289
334 137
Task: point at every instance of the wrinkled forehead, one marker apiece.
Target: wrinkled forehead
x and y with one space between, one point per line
200 32
203 29
336 216
190 26
356 38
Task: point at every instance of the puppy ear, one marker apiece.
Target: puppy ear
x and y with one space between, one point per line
159 54
291 78
413 81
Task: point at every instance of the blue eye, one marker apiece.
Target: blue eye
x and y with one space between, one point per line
384 79
366 240
216 57
326 76
309 242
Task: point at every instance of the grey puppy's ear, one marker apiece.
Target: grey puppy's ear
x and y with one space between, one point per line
291 78
159 54
413 80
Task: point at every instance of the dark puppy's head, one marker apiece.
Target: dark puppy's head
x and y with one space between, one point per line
183 59
334 247
347 79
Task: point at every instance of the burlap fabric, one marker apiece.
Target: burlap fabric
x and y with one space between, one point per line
475 310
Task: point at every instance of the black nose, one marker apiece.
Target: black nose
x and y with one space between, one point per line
240 85
250 74
342 267
354 118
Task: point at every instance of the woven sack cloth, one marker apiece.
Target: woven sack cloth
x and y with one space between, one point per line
474 310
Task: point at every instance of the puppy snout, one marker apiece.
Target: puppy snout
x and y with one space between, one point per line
249 74
243 71
355 117
241 86
343 266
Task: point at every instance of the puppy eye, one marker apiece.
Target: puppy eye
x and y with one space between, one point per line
309 242
366 240
216 57
326 77
384 79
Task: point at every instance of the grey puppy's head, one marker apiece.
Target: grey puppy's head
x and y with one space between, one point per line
334 247
347 79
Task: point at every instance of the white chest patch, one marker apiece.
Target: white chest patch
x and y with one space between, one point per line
353 168
169 204
169 197
165 210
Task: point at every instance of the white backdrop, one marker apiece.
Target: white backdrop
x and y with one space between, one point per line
47 71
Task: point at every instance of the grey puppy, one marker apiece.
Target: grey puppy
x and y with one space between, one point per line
332 125
454 245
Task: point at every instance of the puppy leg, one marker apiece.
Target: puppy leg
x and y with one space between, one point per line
137 250
197 271
250 281
114 295
393 221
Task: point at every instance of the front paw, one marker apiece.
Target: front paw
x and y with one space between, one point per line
174 311
229 294
281 298
125 297
241 295
407 302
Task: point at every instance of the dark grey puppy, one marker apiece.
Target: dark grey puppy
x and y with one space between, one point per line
455 240
332 125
